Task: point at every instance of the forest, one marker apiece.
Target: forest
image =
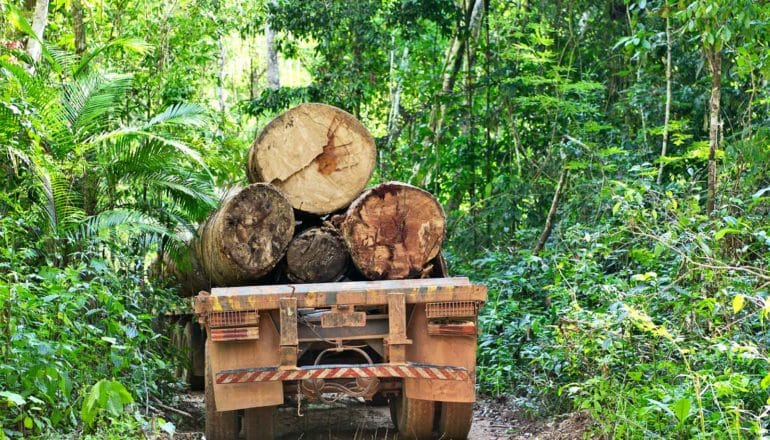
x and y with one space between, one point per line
604 167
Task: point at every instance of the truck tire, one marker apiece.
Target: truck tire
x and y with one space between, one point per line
220 425
258 423
455 420
412 417
196 342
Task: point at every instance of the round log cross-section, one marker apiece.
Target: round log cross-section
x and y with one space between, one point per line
246 237
316 256
319 156
393 231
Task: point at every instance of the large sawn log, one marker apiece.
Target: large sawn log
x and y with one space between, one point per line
317 255
319 156
393 231
246 237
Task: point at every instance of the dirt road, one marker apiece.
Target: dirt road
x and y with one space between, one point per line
352 420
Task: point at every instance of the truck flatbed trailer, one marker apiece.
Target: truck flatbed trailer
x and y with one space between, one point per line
410 342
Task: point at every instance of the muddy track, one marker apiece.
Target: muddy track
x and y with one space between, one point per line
353 420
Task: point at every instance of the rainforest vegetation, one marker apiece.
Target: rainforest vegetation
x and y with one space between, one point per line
604 166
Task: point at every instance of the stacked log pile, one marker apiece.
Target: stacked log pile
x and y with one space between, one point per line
307 217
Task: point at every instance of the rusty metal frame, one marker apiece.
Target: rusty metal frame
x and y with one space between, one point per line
348 293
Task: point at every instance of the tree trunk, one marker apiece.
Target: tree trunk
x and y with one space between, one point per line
78 27
393 231
39 22
667 114
319 156
246 237
454 61
551 213
273 75
221 82
715 63
316 256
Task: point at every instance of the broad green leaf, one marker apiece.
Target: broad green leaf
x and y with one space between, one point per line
681 409
738 302
765 382
28 424
13 398
720 234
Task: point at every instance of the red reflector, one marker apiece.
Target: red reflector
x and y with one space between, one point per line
234 334
465 328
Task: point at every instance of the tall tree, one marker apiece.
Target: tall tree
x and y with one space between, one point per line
39 23
78 26
273 75
667 113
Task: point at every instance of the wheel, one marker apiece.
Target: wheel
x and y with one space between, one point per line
258 423
455 420
220 425
412 417
196 341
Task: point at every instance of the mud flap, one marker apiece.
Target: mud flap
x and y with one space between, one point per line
262 352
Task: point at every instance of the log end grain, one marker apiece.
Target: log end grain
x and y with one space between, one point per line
247 236
316 256
393 231
319 156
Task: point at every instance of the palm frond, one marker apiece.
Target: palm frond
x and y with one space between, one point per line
128 44
136 133
89 99
185 114
124 220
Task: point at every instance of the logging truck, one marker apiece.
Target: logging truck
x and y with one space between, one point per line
410 342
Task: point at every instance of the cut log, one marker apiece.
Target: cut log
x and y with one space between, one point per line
246 237
316 256
393 231
319 156
184 273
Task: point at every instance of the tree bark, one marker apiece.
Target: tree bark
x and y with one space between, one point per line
715 63
273 74
246 237
551 213
319 156
667 113
393 231
39 22
454 61
317 255
78 27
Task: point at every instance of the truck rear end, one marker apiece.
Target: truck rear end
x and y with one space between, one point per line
410 342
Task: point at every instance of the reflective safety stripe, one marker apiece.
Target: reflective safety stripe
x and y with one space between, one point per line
418 371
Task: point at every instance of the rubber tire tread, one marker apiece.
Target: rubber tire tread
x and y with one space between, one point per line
414 418
258 423
455 420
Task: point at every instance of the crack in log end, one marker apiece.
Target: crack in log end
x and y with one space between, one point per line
321 161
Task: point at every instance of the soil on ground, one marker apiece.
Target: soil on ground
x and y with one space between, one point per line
351 419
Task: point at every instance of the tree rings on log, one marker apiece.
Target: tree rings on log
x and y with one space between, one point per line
393 231
316 256
243 240
319 156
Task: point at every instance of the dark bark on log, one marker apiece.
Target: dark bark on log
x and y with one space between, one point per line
319 156
316 256
393 231
246 238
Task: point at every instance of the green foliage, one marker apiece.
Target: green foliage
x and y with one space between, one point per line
105 396
639 309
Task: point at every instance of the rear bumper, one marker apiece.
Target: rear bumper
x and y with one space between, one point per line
409 371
